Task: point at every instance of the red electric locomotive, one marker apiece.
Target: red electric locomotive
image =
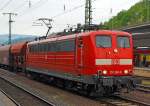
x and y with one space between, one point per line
96 61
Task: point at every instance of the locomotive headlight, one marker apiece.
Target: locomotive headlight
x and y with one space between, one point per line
99 72
126 71
104 72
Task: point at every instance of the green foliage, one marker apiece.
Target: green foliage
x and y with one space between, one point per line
137 14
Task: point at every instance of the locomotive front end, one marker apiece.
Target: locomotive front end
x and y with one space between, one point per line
114 66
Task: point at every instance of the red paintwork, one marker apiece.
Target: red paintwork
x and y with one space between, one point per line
82 62
18 52
123 53
18 48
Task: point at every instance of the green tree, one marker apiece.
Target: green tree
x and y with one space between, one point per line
137 14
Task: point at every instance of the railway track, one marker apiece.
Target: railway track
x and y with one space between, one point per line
8 96
122 101
143 88
20 96
143 78
67 99
108 101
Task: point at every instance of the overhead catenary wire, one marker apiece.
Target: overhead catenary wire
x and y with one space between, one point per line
2 2
33 7
66 11
20 6
28 10
71 10
5 5
41 2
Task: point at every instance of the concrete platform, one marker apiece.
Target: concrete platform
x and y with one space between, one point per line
5 101
143 72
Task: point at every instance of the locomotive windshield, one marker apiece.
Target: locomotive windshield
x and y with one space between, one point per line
123 42
103 41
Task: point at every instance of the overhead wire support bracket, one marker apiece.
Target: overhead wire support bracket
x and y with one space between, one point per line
88 12
10 26
10 22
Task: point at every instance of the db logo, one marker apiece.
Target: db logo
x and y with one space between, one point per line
115 61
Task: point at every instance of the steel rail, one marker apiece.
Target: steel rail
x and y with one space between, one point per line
8 96
117 100
142 77
29 92
133 101
143 88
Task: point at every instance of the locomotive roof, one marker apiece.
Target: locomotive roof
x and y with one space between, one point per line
108 32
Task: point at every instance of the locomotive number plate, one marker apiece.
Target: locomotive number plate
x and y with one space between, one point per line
116 72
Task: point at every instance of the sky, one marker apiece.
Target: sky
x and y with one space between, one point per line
64 13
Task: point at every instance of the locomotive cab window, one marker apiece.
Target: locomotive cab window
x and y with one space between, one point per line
103 41
123 42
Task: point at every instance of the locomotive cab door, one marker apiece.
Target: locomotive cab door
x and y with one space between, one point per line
79 54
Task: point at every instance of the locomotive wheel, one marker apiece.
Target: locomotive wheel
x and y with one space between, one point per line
91 91
68 85
108 91
60 83
34 76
